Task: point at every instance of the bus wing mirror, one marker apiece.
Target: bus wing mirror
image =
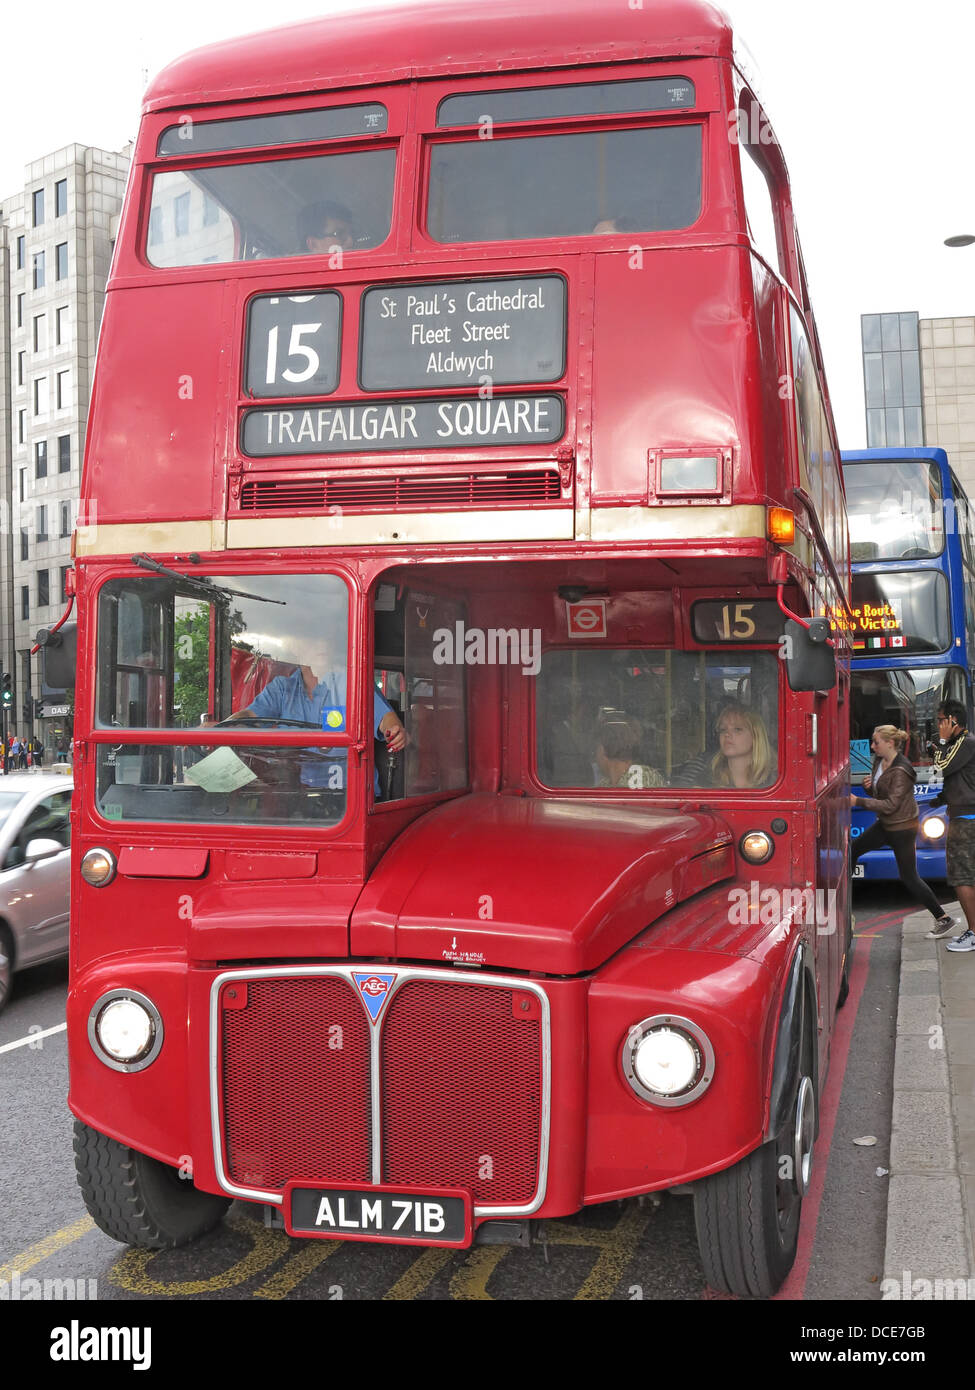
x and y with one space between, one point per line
59 653
810 661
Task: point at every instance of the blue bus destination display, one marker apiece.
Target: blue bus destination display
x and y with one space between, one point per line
459 333
426 423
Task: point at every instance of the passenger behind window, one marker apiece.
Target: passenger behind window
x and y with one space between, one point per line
563 763
617 753
745 758
324 228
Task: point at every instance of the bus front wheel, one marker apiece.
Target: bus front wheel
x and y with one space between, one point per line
747 1216
137 1199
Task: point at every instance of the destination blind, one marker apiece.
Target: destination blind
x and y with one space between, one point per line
463 333
424 423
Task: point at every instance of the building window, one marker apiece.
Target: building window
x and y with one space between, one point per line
24 602
61 198
42 524
38 207
892 380
61 331
22 428
40 459
38 270
21 363
20 311
40 332
23 483
61 254
41 396
211 212
181 214
43 588
155 226
25 544
21 253
64 582
65 520
64 454
64 389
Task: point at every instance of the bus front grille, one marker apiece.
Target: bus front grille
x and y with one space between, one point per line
461 1085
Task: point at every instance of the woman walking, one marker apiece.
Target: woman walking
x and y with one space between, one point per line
892 780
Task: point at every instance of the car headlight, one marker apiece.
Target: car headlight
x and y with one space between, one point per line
125 1030
933 828
668 1060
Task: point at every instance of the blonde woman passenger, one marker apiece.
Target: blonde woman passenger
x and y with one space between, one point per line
744 757
891 782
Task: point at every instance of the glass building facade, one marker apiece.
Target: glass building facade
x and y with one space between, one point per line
892 380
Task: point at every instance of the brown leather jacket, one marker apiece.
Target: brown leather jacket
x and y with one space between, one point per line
893 800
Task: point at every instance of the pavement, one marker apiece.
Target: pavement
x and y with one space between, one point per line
930 1251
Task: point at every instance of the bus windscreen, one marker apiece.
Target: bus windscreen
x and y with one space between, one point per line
894 509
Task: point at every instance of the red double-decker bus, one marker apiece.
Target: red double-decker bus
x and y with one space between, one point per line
461 815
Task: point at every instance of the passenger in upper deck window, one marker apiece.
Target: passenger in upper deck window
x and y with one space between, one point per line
745 758
324 228
617 752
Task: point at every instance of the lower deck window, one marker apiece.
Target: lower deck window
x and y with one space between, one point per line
636 719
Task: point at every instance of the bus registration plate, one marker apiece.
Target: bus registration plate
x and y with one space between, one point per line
380 1213
858 871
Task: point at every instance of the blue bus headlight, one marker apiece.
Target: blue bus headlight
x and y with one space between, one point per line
933 828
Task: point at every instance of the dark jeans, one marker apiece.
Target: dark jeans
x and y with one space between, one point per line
902 842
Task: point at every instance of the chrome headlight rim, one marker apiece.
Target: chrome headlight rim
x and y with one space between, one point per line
673 1023
769 846
112 862
155 1018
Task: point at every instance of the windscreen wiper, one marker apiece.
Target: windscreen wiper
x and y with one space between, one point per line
203 585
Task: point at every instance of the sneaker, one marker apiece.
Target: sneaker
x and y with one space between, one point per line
965 942
943 926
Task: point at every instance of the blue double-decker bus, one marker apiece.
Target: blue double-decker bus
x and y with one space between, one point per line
914 605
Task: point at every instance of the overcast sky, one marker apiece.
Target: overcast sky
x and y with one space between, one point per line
871 102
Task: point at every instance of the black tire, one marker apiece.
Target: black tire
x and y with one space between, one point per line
138 1200
6 967
747 1217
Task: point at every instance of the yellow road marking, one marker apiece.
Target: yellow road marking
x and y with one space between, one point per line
618 1247
298 1267
420 1275
131 1271
471 1280
50 1245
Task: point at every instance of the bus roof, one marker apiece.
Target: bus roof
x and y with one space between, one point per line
438 38
876 455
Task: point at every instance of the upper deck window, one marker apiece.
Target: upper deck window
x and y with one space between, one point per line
566 185
582 99
281 207
284 128
895 509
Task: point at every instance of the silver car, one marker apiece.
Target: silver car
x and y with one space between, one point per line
35 871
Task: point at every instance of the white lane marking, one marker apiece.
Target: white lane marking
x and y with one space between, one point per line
33 1037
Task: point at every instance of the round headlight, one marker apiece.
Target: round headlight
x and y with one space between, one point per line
668 1060
125 1030
933 828
98 867
756 847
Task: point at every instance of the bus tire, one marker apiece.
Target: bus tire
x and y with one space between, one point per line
747 1216
138 1200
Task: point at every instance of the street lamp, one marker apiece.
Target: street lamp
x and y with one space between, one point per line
964 240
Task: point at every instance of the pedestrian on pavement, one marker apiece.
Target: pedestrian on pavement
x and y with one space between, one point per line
956 762
892 781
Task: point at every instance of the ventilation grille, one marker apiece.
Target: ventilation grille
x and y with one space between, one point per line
405 492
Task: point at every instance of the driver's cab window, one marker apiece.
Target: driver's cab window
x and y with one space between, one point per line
425 691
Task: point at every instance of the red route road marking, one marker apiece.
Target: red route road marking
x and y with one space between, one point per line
795 1285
